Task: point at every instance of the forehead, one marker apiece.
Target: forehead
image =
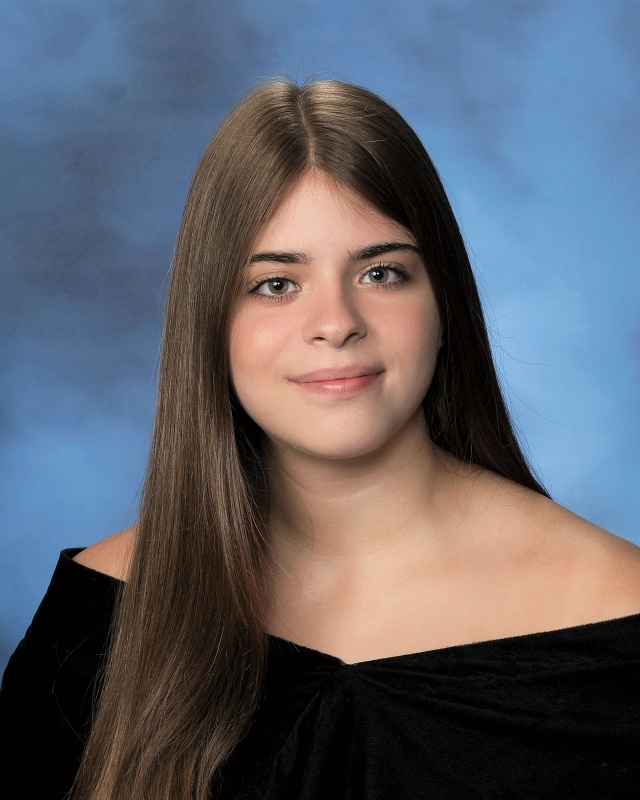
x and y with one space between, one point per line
318 206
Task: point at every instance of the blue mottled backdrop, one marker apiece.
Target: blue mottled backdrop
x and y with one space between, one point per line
531 112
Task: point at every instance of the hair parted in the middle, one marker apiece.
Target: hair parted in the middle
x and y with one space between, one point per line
188 655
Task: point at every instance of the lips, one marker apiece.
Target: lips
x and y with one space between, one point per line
338 373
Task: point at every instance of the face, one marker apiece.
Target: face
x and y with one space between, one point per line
333 284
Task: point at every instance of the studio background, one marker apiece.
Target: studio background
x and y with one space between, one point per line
531 113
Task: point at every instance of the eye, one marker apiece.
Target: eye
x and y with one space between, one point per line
383 270
272 279
275 286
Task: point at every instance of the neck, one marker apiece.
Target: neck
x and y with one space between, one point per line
355 509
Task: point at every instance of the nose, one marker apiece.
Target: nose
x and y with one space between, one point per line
331 313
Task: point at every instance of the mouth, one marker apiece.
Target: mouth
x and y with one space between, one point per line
341 387
338 374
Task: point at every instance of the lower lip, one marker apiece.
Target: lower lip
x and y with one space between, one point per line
345 387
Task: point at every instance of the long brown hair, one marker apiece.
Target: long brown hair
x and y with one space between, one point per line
189 649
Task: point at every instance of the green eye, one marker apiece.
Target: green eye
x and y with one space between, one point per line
385 269
270 279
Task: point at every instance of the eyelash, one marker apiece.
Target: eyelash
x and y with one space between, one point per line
402 272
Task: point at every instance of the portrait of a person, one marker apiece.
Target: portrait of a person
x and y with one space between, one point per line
345 580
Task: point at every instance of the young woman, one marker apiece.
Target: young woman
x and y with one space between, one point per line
344 581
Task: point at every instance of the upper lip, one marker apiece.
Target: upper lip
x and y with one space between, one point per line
351 371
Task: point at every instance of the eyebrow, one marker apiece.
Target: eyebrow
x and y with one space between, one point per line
371 251
378 249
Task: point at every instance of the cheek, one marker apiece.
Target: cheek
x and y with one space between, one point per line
418 345
254 348
418 329
240 349
267 339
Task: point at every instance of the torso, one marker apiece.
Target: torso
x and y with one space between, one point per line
531 565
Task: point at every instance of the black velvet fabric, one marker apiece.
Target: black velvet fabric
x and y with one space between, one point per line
544 715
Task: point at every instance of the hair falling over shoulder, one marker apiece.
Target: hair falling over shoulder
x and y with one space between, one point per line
188 650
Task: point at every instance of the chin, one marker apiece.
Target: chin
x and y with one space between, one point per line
333 446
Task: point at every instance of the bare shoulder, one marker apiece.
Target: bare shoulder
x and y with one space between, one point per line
610 565
600 570
590 568
110 555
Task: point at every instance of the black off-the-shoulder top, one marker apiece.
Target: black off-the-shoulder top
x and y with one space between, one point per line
544 715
